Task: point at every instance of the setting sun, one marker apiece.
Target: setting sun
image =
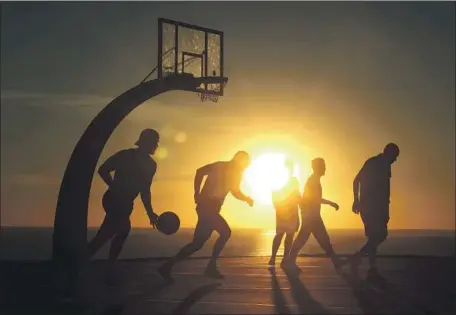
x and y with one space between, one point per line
266 174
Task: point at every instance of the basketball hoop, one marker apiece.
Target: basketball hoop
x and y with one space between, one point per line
214 93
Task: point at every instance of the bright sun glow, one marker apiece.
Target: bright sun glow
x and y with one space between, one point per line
266 174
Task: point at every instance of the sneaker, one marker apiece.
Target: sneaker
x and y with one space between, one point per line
165 271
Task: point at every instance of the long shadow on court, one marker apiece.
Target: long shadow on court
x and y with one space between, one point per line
306 303
194 297
277 294
376 295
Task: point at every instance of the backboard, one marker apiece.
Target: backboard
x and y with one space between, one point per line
190 49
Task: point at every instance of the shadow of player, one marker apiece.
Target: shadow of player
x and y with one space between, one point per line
376 295
277 294
194 297
306 303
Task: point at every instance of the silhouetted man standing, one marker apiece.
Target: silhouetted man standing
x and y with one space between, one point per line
133 170
222 177
371 190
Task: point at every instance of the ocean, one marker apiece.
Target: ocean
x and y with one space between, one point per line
20 244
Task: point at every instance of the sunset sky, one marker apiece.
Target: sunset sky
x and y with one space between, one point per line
337 81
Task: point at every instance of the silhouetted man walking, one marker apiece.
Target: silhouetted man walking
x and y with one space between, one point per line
312 223
222 177
133 170
371 190
286 203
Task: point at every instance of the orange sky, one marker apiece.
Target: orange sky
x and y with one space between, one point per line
307 79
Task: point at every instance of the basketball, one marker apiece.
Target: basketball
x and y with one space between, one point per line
168 223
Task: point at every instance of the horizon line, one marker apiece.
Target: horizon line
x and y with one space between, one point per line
237 228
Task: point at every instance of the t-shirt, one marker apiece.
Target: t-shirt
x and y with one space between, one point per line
221 179
133 171
375 178
311 200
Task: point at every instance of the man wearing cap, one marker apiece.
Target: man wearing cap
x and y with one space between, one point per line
133 170
371 190
222 177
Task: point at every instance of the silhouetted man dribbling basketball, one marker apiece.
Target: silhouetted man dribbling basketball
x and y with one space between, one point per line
371 190
222 177
133 170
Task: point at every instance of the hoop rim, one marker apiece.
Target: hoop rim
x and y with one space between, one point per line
213 80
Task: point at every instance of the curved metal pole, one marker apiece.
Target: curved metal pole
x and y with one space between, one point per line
70 223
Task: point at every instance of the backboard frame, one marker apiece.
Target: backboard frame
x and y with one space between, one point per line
218 79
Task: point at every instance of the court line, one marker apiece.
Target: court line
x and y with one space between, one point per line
260 275
240 303
284 288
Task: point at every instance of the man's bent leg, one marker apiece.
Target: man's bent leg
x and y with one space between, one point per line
301 239
221 227
202 233
378 236
289 238
106 231
376 232
322 237
122 227
119 240
275 247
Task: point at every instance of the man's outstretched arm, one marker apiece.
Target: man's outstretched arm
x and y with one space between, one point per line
146 199
326 202
238 194
330 203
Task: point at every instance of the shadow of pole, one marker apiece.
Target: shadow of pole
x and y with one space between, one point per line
194 297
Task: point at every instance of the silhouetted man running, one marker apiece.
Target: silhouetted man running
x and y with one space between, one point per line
371 191
222 178
133 170
311 221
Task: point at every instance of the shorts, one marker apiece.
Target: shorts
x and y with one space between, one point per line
116 207
210 220
287 221
375 220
